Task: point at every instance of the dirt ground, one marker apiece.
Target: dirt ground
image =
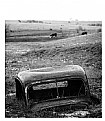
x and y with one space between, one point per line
84 50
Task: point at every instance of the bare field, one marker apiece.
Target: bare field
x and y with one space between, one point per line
85 51
40 32
54 25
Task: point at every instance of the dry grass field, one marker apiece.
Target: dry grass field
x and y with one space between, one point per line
83 50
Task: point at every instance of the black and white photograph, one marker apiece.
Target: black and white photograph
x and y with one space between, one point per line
53 60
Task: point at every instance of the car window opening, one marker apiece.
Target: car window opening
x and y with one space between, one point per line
64 88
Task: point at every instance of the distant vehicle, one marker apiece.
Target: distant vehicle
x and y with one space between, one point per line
53 35
83 33
53 87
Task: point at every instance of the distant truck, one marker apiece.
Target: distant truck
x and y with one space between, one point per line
53 87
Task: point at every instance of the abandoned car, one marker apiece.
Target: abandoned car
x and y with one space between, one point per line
51 87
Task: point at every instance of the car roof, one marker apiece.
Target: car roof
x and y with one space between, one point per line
50 72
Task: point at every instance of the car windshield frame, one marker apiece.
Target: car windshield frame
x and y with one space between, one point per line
57 88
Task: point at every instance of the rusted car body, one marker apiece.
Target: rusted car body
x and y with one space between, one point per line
51 87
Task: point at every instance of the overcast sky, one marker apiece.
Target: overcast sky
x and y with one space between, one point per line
53 9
